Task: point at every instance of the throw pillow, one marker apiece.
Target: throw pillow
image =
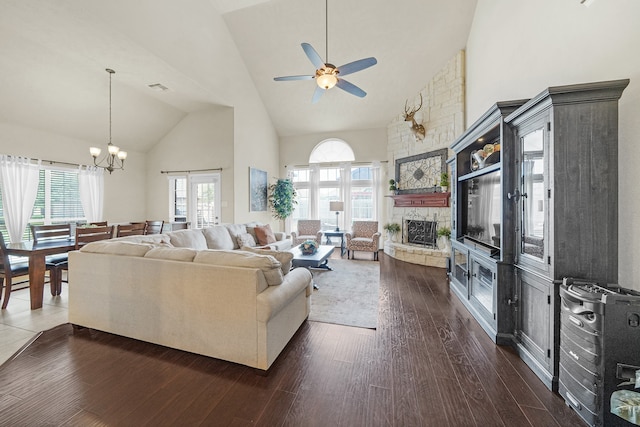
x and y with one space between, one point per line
265 235
234 230
193 239
218 237
245 239
284 257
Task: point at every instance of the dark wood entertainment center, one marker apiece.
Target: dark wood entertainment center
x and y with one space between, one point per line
535 199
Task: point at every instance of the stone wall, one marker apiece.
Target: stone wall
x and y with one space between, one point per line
442 115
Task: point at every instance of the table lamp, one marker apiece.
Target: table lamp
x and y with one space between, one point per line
336 207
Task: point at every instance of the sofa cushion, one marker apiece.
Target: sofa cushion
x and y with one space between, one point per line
265 235
218 237
158 239
284 257
173 254
269 265
193 238
234 230
117 248
245 239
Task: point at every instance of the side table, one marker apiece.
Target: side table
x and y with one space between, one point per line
329 234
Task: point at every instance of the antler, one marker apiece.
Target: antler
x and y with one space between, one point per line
409 114
417 128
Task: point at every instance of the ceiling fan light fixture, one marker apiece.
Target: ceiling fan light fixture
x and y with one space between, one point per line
326 77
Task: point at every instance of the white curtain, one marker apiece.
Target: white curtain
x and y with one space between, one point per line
376 170
91 189
314 206
345 191
19 180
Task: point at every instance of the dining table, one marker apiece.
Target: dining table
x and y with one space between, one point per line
37 253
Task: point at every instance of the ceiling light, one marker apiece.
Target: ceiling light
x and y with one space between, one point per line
114 159
326 77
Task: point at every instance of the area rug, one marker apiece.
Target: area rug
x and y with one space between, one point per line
347 295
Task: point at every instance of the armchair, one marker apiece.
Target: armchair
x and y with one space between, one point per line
308 229
364 237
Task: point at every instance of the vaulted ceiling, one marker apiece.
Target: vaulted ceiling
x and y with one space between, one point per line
53 55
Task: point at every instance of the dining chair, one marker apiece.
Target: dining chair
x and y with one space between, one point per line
133 229
8 271
153 227
179 226
45 233
99 223
84 235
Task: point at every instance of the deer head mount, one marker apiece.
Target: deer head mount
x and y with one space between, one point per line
416 127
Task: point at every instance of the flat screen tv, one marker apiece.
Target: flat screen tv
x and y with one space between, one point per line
482 209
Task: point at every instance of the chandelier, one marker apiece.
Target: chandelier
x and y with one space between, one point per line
114 159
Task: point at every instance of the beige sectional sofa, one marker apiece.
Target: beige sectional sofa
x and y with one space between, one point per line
174 290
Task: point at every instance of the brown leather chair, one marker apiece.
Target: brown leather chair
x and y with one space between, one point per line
8 271
133 229
153 227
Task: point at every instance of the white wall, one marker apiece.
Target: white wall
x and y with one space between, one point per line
124 198
368 145
517 49
202 140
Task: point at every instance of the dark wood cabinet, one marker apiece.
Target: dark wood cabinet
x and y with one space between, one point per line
566 204
544 209
482 239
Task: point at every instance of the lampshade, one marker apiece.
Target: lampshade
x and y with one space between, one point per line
327 81
336 206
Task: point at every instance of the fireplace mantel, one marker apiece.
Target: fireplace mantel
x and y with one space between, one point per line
421 200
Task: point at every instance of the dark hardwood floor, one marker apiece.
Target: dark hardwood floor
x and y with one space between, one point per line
427 364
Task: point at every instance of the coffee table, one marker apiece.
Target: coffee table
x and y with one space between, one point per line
318 260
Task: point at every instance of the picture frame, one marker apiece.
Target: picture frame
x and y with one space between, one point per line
421 173
257 190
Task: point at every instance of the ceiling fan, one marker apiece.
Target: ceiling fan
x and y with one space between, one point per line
326 74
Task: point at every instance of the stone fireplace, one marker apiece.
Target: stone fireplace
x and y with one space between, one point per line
423 201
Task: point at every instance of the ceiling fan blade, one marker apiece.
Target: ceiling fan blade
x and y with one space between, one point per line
287 78
317 94
312 55
358 65
351 88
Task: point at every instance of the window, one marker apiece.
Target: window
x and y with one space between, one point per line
195 199
57 200
332 150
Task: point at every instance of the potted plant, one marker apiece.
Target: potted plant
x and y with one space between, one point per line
392 186
444 234
444 181
282 198
393 229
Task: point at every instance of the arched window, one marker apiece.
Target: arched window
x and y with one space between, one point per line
331 150
331 177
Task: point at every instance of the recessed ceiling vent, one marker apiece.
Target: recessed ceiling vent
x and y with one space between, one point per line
158 87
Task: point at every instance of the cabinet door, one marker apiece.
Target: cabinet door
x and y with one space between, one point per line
460 269
531 197
534 318
482 287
